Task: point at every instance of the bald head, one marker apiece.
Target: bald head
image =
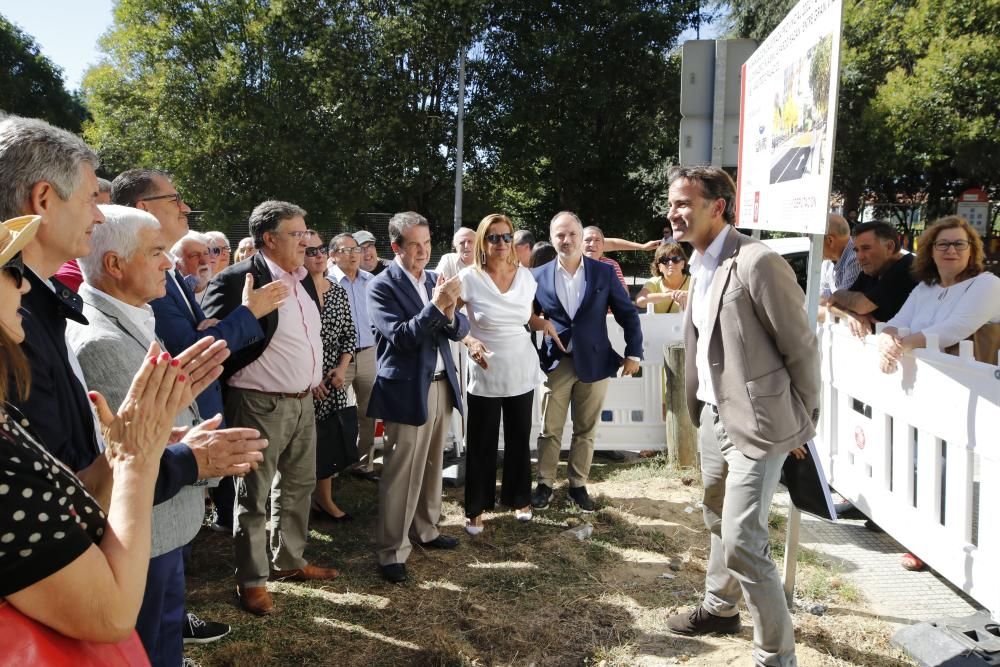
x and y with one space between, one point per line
838 233
836 225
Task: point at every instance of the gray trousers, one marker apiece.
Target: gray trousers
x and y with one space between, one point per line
738 492
361 375
287 476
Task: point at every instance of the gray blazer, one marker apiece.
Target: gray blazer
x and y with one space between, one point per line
111 349
762 352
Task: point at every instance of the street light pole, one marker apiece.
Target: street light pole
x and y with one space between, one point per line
459 164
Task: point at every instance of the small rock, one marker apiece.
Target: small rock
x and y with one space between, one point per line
687 481
667 575
688 510
675 565
580 532
814 608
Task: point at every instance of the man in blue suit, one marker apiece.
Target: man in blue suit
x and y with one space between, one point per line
180 321
416 387
574 293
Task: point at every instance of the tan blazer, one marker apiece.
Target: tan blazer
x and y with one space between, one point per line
763 354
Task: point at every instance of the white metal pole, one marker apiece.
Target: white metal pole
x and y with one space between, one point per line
459 165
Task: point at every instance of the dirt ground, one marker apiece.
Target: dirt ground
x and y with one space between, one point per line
524 594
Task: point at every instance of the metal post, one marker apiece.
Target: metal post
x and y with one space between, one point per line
459 165
719 104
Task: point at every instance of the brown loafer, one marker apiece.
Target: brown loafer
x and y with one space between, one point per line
307 572
256 600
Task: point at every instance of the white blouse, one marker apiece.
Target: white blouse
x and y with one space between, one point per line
953 313
498 321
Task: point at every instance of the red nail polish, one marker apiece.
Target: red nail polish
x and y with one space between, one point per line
152 361
165 356
182 378
175 363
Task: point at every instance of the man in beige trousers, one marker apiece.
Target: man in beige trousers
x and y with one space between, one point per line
753 387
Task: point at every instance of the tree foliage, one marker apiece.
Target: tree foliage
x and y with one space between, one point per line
351 106
917 118
30 85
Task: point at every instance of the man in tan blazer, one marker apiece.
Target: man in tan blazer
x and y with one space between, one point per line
753 387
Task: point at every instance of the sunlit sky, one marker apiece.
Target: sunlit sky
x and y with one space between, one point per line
65 30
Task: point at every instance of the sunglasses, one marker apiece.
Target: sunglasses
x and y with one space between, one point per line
15 269
496 238
316 250
216 250
673 259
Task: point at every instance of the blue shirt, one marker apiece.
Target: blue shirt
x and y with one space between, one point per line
356 294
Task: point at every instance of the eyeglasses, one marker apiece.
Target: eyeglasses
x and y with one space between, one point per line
356 250
496 238
306 234
316 250
217 250
942 246
673 259
15 269
175 196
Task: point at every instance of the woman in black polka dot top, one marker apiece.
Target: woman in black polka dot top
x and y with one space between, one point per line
56 542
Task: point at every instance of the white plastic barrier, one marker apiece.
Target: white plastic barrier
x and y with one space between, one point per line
917 451
632 417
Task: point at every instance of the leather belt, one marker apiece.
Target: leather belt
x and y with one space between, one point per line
281 394
439 376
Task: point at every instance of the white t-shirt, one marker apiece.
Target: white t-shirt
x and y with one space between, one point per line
953 313
498 321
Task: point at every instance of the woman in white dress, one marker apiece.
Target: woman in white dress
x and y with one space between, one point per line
955 296
498 295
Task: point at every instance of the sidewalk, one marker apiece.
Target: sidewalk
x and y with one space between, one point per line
871 560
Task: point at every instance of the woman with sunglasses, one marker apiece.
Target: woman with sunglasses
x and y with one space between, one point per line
954 296
336 422
497 294
668 289
57 543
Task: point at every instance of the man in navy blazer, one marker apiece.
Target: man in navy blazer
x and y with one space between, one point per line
575 292
416 387
180 321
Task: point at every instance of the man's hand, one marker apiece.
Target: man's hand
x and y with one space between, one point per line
208 322
629 366
799 453
220 453
446 294
264 300
860 325
652 245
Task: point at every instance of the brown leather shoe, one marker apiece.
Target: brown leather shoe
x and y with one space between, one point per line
307 572
256 600
698 621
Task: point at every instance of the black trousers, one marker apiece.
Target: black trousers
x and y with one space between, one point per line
481 458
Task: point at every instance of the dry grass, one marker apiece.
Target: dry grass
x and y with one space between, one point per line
519 594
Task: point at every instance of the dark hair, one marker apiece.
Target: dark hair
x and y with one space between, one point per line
924 268
882 229
524 237
132 185
666 250
542 252
13 366
315 232
715 184
401 221
267 215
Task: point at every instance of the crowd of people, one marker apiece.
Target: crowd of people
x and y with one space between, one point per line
145 365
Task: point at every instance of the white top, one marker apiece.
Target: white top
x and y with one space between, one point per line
418 284
498 321
953 313
703 268
449 265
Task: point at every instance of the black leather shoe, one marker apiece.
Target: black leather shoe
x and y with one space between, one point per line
441 542
698 621
579 496
394 572
541 496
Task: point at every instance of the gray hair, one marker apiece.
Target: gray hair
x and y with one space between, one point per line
118 234
570 214
460 230
32 151
191 236
594 228
343 236
218 238
524 237
402 221
103 185
836 225
268 215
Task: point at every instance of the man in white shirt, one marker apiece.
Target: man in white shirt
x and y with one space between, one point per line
449 265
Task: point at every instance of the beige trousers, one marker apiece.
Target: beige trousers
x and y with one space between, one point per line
287 476
561 392
409 490
361 376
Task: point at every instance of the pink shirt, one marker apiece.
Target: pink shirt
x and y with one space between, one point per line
293 360
618 270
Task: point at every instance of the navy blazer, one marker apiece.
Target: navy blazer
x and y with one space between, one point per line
409 337
593 356
178 329
224 298
58 409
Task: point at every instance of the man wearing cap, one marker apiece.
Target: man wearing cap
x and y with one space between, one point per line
370 261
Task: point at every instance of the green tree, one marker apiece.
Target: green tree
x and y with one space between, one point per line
30 85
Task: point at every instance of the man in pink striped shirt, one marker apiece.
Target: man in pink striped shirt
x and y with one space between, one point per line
268 385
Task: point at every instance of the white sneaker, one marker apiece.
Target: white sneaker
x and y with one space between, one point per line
471 528
523 515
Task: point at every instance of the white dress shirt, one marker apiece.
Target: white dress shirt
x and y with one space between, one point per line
570 288
703 267
418 284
